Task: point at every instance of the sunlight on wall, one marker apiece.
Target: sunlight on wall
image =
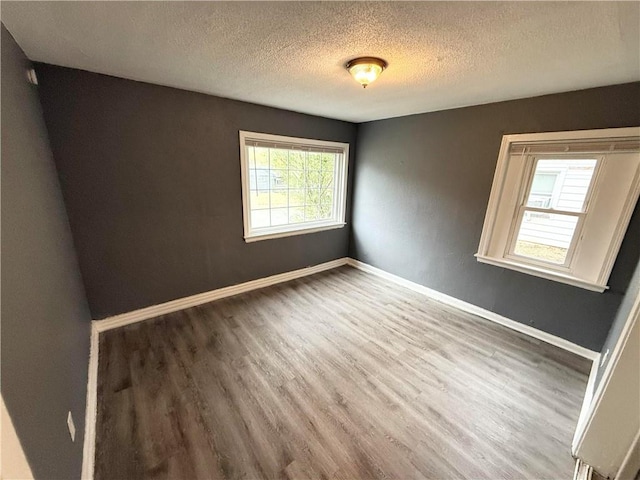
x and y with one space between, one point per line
13 463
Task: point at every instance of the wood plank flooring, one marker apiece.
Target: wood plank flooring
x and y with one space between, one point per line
340 375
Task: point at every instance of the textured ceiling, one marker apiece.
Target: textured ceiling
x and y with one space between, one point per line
292 54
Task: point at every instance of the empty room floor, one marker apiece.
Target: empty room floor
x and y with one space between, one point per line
338 375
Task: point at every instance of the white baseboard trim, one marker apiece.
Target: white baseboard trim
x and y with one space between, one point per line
89 446
475 310
586 403
582 471
206 297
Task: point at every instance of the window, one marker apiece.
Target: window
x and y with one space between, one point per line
561 203
291 185
547 221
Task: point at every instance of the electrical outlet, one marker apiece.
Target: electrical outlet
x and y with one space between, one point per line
604 357
72 427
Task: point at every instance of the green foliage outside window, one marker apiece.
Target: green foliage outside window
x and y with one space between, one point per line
301 181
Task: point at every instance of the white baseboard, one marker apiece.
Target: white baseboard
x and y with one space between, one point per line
475 310
586 403
582 471
206 297
89 446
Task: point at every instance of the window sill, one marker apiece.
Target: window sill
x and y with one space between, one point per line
542 273
269 234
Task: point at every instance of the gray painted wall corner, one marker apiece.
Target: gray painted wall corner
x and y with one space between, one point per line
620 320
45 317
421 189
151 181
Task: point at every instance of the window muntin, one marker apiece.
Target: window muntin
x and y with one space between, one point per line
549 222
291 185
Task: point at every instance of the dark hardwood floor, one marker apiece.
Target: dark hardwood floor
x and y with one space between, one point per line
340 375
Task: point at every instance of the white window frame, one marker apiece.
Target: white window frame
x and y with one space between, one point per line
512 182
530 170
338 220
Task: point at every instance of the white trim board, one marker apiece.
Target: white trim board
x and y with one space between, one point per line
206 297
582 471
589 434
479 311
586 401
89 446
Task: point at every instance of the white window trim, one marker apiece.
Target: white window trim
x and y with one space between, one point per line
555 274
340 200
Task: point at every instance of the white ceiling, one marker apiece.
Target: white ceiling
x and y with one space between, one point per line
291 54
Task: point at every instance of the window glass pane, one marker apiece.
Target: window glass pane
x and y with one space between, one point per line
326 204
259 179
313 197
259 218
314 160
279 179
259 199
326 210
296 214
545 236
328 161
279 216
278 159
262 157
561 184
313 178
296 198
543 183
279 198
311 213
296 179
296 160
326 180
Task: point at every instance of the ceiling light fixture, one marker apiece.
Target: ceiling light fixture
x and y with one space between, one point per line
365 70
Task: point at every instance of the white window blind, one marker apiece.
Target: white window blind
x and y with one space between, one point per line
293 146
580 146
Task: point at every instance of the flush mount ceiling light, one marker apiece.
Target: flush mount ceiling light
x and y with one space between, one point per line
365 70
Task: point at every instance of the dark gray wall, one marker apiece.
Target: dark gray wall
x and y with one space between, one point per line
421 190
45 318
151 181
621 318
